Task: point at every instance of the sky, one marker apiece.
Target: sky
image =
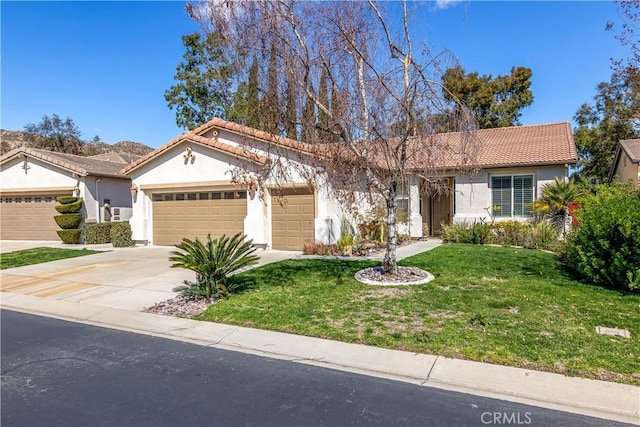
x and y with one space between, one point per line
107 64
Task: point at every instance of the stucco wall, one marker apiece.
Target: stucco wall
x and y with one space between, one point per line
626 170
473 195
213 168
97 190
38 175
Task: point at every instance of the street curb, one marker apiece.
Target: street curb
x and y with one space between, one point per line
601 399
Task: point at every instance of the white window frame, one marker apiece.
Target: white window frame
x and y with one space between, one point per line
500 214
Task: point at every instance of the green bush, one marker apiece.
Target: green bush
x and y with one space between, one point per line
74 207
605 246
464 232
68 221
69 236
95 234
544 235
213 262
120 234
65 200
510 233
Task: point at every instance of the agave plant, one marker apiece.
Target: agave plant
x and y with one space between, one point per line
213 262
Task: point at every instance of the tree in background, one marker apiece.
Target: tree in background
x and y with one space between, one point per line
378 80
53 133
324 133
204 88
601 125
290 112
270 102
495 102
253 99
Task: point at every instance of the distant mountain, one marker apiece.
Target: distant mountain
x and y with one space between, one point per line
10 139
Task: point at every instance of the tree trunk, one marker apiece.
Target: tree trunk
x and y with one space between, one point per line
390 261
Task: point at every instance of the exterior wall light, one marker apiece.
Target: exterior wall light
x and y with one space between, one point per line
134 191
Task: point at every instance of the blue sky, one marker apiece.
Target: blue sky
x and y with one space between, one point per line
107 64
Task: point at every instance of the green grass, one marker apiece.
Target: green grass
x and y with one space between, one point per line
39 255
500 305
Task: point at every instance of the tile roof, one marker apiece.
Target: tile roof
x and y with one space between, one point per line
76 164
207 142
632 148
545 144
116 157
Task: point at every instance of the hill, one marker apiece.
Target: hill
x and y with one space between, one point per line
10 139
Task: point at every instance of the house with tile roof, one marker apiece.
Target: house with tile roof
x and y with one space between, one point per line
200 183
31 179
626 164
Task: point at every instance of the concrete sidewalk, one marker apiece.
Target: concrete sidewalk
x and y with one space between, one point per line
110 289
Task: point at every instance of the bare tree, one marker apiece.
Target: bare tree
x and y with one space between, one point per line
384 94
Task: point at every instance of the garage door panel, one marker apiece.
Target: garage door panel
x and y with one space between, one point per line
187 217
293 223
28 217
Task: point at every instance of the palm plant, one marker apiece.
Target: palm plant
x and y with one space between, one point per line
554 201
213 262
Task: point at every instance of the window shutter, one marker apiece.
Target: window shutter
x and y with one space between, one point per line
501 196
523 195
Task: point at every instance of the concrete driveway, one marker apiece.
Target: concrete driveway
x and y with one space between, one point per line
125 278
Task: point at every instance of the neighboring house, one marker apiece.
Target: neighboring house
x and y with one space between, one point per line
31 179
186 188
626 164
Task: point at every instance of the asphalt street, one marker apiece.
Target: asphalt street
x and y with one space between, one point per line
58 373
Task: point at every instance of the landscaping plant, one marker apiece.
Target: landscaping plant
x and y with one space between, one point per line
95 234
554 201
120 234
213 262
69 219
605 247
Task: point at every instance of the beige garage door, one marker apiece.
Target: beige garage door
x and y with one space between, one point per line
293 220
28 217
196 214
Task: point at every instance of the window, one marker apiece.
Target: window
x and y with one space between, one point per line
512 196
402 200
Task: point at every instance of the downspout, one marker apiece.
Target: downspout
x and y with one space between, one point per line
98 200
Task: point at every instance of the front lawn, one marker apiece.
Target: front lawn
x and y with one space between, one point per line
39 255
492 304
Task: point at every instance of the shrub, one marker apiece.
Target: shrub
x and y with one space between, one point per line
510 233
345 240
74 207
69 236
213 262
605 247
544 235
95 234
68 221
65 200
120 234
313 248
465 232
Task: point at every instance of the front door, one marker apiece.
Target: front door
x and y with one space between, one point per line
437 209
440 212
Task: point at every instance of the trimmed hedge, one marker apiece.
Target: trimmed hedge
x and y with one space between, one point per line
65 200
69 236
74 207
68 221
95 234
121 234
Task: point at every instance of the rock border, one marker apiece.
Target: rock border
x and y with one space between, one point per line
359 276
